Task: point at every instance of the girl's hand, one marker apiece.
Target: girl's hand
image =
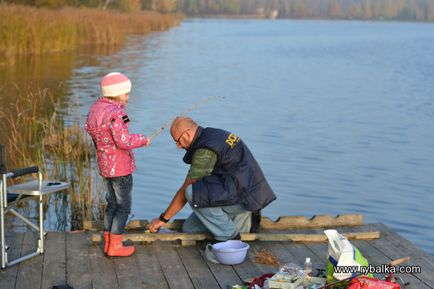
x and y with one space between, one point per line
149 142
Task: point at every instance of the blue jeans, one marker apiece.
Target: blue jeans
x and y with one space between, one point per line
222 222
118 203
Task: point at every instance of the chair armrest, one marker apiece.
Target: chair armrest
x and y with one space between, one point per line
25 171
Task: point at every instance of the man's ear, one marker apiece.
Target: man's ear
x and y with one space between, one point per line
190 134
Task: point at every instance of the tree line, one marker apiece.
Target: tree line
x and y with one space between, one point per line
412 10
419 10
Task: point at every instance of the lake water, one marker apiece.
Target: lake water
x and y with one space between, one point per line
337 113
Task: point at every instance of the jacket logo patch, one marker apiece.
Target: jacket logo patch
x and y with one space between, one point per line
232 140
125 118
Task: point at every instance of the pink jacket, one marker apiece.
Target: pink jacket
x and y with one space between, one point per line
107 124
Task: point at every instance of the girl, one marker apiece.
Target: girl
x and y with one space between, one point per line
107 124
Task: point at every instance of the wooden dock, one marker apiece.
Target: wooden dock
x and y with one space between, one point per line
72 258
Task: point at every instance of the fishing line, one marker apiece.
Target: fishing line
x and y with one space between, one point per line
166 124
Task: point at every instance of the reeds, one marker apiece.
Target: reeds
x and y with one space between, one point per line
39 137
30 31
37 133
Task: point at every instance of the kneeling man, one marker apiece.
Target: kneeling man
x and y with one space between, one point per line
224 185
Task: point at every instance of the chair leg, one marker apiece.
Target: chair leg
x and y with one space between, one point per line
41 227
2 223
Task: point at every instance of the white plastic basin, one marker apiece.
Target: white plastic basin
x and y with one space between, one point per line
230 252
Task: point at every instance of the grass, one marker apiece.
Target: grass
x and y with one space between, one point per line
39 137
27 30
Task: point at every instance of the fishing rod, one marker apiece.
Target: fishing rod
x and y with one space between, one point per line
166 124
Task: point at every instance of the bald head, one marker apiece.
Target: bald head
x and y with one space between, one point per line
183 126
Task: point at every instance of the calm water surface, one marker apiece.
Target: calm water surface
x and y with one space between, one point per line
339 114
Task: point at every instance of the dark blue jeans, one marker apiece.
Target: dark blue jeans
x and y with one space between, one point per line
118 203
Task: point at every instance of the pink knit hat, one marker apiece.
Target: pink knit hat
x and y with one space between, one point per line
115 84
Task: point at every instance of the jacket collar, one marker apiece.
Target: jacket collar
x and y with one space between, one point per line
189 152
114 102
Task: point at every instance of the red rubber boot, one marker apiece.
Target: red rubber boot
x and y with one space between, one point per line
106 241
117 249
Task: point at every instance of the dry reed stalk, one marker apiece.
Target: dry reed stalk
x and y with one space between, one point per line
266 257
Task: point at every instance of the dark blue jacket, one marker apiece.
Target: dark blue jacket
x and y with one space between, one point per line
236 178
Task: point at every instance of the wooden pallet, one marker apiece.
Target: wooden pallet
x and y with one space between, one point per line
274 230
188 239
283 222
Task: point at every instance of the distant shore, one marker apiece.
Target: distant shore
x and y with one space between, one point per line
229 16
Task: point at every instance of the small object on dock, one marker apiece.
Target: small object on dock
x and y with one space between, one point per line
307 267
399 261
248 280
230 252
266 257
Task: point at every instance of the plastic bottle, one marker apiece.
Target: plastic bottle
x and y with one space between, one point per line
308 267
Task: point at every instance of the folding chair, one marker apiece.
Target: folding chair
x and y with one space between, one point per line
10 196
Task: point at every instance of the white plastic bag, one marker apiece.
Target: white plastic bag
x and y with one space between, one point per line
210 255
341 253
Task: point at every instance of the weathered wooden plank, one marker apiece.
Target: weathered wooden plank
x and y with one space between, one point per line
147 237
225 275
149 268
197 269
127 273
8 276
317 221
132 225
77 262
29 271
173 268
102 270
283 222
54 272
188 237
395 246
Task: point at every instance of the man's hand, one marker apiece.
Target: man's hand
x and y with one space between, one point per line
155 225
